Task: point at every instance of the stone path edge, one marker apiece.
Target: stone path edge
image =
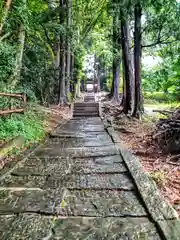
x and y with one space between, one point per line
157 206
162 213
19 159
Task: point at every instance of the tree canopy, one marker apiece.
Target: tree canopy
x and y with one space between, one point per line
43 45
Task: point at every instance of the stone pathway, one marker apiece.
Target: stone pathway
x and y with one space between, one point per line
74 186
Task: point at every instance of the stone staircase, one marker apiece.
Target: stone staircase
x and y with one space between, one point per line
88 108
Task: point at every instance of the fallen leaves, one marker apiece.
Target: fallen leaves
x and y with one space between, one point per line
136 135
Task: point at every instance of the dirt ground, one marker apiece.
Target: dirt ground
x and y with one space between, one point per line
136 135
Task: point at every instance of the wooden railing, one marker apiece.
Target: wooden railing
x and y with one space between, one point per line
19 96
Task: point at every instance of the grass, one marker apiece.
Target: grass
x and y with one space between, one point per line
29 124
162 105
159 100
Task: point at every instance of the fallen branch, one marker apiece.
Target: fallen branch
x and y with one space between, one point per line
5 112
174 158
16 95
167 132
164 112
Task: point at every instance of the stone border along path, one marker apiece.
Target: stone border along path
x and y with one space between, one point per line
82 184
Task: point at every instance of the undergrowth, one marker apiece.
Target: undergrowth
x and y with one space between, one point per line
29 124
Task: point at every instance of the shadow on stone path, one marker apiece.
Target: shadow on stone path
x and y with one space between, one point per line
75 186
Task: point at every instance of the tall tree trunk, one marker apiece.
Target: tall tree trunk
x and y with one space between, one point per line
78 94
112 85
19 57
62 95
5 14
72 90
127 65
62 68
99 74
116 58
116 72
68 55
138 103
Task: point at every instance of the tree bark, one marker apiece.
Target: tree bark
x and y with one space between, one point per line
78 94
116 58
127 66
72 73
68 55
138 103
62 67
62 95
7 7
116 72
99 74
19 57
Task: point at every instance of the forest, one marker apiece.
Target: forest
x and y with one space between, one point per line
44 46
49 49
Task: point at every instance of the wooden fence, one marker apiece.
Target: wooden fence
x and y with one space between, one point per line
19 96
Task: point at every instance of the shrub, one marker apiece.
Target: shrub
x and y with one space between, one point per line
160 97
29 124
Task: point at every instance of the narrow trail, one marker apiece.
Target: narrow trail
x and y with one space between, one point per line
75 186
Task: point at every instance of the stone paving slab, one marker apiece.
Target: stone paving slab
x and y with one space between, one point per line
91 181
80 128
79 186
28 200
105 229
104 203
26 181
31 227
76 152
85 135
5 226
77 142
38 163
25 226
92 167
43 168
81 123
108 160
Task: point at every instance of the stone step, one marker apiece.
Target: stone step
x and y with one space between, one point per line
87 121
88 104
85 114
89 99
79 127
86 109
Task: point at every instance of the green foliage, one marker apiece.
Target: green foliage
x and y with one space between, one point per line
109 82
90 32
156 96
7 58
30 125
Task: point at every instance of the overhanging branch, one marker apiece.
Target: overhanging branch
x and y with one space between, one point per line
158 42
